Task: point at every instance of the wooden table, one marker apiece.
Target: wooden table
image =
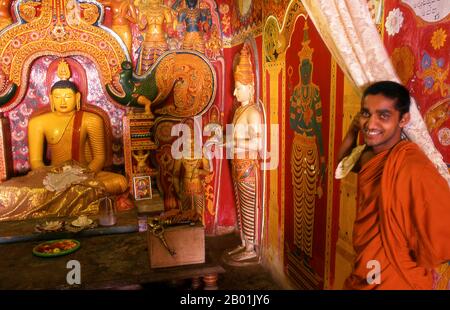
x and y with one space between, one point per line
106 261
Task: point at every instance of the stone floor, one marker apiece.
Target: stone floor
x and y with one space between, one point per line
235 278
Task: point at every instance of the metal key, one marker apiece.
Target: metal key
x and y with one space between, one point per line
158 231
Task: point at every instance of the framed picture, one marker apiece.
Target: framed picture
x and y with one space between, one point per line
142 186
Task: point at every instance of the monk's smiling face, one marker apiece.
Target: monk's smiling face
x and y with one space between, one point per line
381 124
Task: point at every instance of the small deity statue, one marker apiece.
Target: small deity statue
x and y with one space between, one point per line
74 138
188 180
247 136
5 13
196 21
123 13
152 16
141 157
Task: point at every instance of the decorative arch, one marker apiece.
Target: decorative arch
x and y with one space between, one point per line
49 28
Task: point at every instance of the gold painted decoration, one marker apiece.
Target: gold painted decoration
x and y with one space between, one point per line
209 193
276 38
91 13
224 9
293 12
271 39
437 114
306 51
403 62
243 72
305 172
244 6
163 132
49 32
29 10
438 39
3 81
214 44
164 76
192 80
63 71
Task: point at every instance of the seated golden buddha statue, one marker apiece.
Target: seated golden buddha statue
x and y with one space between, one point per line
75 139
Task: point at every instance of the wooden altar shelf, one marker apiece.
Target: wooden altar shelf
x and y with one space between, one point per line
23 231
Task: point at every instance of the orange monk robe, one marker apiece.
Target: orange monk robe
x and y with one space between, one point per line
402 220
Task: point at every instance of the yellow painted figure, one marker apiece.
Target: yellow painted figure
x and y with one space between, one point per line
141 161
123 13
153 15
306 166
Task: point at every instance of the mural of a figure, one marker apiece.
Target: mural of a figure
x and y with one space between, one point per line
5 13
307 157
246 172
197 21
123 13
153 15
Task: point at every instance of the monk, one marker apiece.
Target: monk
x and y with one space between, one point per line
401 231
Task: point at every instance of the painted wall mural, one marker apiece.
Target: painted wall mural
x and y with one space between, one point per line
239 19
302 99
307 155
416 37
276 8
305 203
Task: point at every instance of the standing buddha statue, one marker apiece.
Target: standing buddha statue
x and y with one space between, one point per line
246 172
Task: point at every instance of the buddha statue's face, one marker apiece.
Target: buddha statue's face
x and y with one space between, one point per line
243 92
64 100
